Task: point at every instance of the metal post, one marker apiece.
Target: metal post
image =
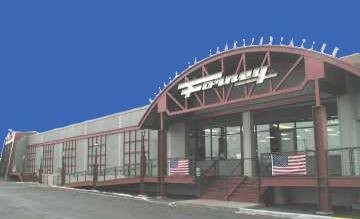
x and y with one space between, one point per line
41 170
62 172
142 164
95 169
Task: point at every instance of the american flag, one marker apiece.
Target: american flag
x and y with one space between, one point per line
284 164
178 166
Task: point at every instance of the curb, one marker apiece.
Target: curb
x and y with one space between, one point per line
280 214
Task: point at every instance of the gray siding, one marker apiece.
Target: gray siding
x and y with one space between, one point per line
176 140
118 120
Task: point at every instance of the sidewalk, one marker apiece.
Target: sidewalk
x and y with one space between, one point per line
298 211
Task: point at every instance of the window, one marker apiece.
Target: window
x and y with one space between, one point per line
97 149
233 142
208 146
69 156
30 158
263 139
295 136
305 136
215 140
221 143
333 133
48 158
132 150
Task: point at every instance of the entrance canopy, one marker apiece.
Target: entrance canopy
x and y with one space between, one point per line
247 78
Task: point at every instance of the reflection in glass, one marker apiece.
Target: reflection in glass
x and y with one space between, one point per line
233 142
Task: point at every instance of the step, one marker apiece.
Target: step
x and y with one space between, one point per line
221 198
252 195
244 199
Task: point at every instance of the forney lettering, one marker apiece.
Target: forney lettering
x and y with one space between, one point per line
257 75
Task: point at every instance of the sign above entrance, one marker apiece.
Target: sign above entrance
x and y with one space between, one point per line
257 75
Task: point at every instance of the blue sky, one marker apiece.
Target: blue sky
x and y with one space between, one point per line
63 62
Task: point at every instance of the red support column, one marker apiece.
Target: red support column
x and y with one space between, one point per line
162 155
321 147
162 147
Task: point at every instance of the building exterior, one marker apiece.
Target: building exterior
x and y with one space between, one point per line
269 123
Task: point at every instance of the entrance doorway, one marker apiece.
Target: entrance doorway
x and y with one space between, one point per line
217 142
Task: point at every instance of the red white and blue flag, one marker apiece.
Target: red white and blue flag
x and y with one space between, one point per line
285 164
178 166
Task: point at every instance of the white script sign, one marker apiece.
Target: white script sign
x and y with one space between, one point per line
257 75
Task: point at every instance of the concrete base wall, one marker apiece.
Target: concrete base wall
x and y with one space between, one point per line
339 197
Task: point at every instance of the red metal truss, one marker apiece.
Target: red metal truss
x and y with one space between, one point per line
241 61
206 73
223 93
268 60
288 73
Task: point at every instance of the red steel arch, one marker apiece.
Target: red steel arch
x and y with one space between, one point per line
314 69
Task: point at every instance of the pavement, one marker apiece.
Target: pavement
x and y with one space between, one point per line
32 200
284 211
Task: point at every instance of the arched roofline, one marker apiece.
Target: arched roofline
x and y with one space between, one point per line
312 54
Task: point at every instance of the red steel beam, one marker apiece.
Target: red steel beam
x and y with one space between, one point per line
266 58
175 101
215 88
236 72
288 73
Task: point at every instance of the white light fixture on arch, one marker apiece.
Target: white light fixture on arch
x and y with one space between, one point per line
281 40
235 44
336 49
291 42
261 41
312 46
303 42
176 74
252 41
271 40
323 46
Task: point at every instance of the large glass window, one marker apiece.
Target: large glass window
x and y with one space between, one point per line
293 136
287 136
333 134
221 143
233 142
305 136
215 138
263 139
207 141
